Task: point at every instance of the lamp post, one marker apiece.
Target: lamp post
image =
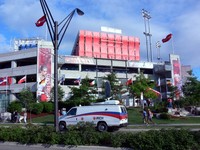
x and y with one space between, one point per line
158 46
147 33
54 34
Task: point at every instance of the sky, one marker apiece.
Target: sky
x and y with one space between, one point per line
178 17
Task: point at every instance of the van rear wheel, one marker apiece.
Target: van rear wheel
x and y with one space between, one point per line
102 127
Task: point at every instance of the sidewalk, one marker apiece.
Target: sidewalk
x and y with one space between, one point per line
163 125
17 146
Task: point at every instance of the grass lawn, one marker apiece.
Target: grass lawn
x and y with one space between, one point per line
48 119
134 117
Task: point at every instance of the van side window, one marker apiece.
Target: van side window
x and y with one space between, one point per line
72 112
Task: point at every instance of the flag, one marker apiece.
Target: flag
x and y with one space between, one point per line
78 80
93 83
129 82
22 80
167 38
41 21
3 80
156 92
158 84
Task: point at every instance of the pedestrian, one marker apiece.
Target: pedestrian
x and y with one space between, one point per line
150 116
145 116
59 113
169 103
17 116
148 102
144 103
63 112
13 119
25 117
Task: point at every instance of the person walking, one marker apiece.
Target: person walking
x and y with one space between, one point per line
25 117
149 116
145 116
17 115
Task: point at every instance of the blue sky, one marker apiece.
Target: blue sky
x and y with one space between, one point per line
179 17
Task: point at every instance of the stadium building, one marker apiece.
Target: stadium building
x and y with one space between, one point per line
95 54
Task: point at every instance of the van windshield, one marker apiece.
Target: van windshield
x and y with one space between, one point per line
72 112
123 110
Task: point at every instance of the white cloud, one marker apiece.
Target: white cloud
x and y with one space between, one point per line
4 45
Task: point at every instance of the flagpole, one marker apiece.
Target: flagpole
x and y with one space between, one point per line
160 93
173 44
97 77
6 92
46 32
25 81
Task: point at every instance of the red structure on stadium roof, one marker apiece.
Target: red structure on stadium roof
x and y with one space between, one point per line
106 45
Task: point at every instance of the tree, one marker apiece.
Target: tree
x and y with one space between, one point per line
26 97
114 84
82 95
173 91
191 90
141 86
61 93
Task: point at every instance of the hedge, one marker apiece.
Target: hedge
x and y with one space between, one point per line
154 139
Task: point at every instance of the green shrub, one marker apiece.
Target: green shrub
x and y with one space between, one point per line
48 107
154 139
165 116
15 106
196 136
49 135
160 107
184 139
118 139
37 108
4 134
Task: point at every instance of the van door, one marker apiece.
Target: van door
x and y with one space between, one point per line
71 118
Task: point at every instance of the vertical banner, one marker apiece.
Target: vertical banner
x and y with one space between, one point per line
44 74
176 73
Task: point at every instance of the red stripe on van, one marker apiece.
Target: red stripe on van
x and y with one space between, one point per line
110 114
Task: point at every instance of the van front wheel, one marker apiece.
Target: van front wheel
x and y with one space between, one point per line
62 126
102 127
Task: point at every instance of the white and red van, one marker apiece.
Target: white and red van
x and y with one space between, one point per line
103 116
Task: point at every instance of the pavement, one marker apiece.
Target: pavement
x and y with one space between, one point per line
169 125
17 146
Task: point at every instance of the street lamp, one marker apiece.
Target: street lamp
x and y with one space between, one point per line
158 45
54 34
147 33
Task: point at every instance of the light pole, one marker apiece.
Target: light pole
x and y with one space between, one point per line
147 33
54 34
158 45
